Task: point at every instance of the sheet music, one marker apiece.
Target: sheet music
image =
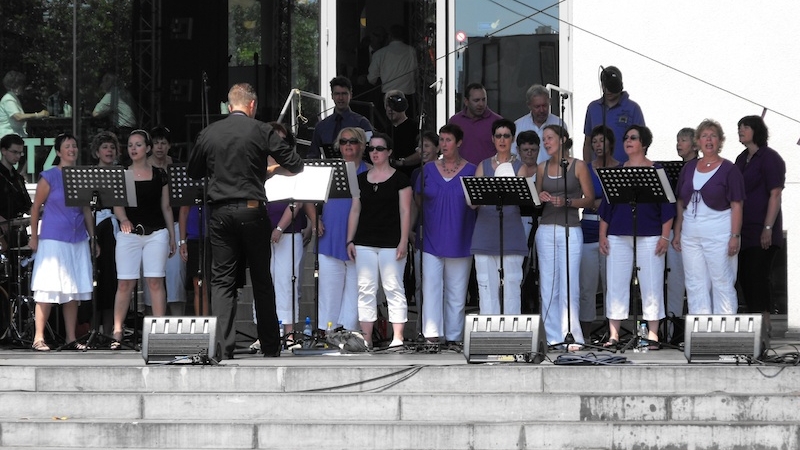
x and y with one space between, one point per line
311 185
130 185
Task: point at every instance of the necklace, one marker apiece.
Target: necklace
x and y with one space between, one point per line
454 169
708 164
375 187
511 159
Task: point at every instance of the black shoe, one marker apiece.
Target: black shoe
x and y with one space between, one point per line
272 355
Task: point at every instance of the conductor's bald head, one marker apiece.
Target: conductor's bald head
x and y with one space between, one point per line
242 97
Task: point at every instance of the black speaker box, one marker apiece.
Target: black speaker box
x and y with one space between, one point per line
724 338
179 339
504 338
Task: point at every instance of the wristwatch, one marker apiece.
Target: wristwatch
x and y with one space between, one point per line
181 242
767 227
279 228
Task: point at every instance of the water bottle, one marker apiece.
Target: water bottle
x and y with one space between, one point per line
307 329
328 333
280 328
643 343
67 110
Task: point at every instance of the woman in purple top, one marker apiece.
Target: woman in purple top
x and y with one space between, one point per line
653 224
708 224
338 297
446 237
764 173
62 271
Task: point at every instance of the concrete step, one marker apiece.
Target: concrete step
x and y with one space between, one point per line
350 430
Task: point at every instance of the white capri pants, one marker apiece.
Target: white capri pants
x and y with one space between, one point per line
281 269
552 251
488 276
710 273
619 269
373 264
444 288
338 293
148 252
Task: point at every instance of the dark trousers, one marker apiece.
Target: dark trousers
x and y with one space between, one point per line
237 231
755 269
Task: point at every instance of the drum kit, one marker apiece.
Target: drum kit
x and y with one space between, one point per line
16 301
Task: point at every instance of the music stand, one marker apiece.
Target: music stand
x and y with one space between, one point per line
97 188
500 191
634 185
329 151
312 185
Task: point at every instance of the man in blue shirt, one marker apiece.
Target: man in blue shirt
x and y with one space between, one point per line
327 129
619 110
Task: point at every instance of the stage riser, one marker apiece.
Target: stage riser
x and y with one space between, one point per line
523 378
348 432
441 408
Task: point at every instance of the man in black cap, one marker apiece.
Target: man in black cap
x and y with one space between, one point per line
403 132
615 110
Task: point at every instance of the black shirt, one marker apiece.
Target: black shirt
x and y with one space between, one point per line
13 194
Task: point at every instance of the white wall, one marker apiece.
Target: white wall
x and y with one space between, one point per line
748 48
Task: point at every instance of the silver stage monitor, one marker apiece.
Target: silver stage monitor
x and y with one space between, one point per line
504 338
724 338
179 339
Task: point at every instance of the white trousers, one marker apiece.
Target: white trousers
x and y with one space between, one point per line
281 269
592 280
619 269
444 288
710 273
551 247
487 273
375 264
338 293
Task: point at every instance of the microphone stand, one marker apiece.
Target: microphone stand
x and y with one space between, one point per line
202 279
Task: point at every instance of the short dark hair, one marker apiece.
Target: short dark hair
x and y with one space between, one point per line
433 137
453 129
10 139
760 130
342 82
471 87
102 138
606 132
61 138
500 123
528 137
385 137
645 135
160 132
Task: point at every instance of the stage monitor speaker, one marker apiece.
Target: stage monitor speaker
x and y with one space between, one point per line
724 338
179 339
504 338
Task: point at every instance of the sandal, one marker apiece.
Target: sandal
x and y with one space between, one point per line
611 343
76 346
40 346
116 343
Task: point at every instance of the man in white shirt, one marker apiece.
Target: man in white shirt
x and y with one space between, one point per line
396 66
538 101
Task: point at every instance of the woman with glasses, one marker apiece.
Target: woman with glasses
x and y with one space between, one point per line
62 272
562 192
338 299
653 224
145 240
593 264
708 224
485 239
377 239
447 228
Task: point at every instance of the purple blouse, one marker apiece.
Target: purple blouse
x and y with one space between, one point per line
448 221
275 211
649 217
59 221
765 172
724 187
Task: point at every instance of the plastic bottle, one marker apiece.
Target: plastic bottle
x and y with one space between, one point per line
329 330
280 328
643 342
67 110
307 329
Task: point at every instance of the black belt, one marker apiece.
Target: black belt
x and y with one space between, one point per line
240 203
145 230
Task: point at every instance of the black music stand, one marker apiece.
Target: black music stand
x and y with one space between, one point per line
500 191
329 151
312 185
634 185
98 188
186 191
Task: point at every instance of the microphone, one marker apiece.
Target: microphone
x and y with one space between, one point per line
564 93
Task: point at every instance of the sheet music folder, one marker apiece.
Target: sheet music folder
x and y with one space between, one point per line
313 184
635 184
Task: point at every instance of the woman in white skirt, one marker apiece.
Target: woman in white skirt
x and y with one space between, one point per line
62 271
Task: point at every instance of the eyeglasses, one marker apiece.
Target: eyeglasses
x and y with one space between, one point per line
630 137
379 148
351 141
502 136
529 149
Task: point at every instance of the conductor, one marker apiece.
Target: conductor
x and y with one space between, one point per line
233 153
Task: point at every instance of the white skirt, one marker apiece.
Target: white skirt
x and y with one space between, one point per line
62 272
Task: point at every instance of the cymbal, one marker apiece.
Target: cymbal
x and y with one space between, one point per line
19 222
